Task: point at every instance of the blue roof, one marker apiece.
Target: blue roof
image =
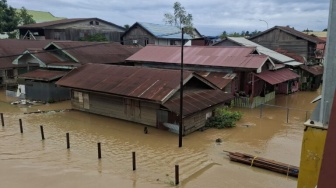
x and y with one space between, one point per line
164 31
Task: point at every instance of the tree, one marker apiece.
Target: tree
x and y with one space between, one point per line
180 18
326 29
24 17
8 18
126 26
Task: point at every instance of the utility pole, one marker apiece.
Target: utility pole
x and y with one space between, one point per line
181 94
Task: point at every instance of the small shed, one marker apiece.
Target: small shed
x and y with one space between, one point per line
311 77
147 96
39 85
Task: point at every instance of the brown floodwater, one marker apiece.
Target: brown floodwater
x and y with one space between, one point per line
28 161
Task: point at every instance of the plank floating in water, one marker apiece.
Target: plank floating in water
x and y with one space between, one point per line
260 162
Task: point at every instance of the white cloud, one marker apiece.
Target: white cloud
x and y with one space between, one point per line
211 17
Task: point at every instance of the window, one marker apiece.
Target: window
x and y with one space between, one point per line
91 22
10 73
97 23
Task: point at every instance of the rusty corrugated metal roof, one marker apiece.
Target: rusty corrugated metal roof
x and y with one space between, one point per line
221 56
197 101
14 48
137 82
95 52
43 25
278 76
44 75
314 69
219 79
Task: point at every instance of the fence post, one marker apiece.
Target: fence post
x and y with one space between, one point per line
42 132
21 129
99 150
261 108
134 161
287 114
2 119
68 140
177 178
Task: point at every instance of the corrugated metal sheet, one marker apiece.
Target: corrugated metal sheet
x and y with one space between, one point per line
43 25
314 69
197 101
45 75
219 79
239 57
49 58
278 76
15 47
96 52
137 82
163 31
263 50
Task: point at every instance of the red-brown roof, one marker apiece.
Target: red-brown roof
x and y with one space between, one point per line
12 48
219 79
278 76
50 59
314 69
232 56
143 83
197 101
63 21
292 32
44 75
96 52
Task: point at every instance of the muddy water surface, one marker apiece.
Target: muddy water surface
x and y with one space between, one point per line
28 161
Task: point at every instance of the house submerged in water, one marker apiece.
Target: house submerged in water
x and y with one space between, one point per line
148 96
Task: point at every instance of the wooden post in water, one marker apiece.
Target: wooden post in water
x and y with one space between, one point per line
261 108
99 150
177 178
42 133
21 129
287 114
133 161
68 140
2 120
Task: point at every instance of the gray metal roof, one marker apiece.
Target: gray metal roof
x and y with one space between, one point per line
164 31
263 50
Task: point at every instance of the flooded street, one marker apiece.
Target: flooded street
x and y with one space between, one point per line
27 160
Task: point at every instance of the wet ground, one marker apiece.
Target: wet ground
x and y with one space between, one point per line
28 161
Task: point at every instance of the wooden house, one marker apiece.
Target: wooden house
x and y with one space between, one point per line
142 34
10 49
280 61
40 86
291 40
239 65
311 77
65 56
71 29
143 95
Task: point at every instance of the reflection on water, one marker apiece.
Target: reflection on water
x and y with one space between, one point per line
27 158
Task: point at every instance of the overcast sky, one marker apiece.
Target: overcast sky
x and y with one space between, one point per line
210 17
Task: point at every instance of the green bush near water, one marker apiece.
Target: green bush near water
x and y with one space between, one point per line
223 118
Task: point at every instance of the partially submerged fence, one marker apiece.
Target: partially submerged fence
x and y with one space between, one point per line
287 113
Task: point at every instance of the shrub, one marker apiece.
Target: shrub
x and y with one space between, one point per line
223 118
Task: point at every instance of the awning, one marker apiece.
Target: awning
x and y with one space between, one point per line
294 63
314 69
278 76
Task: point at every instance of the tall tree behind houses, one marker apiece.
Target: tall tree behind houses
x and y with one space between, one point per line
180 18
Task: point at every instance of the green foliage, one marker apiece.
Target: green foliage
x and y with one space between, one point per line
98 37
223 118
241 34
24 17
8 18
180 18
126 26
